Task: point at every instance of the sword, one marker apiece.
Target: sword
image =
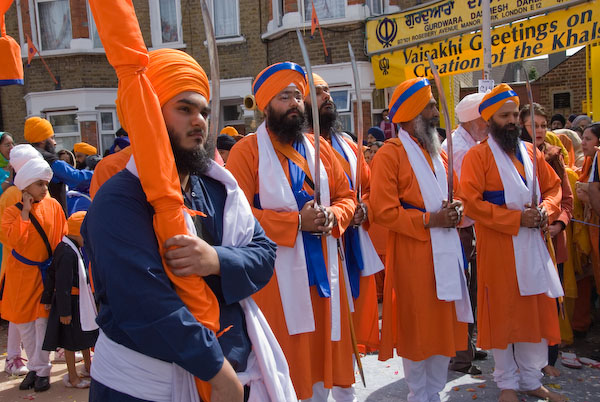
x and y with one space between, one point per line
442 96
534 199
359 129
315 116
215 84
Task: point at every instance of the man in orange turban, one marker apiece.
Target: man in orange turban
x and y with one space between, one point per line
166 291
40 134
82 150
305 303
517 279
409 197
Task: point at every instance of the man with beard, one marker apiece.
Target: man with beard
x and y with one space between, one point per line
425 303
471 130
39 133
305 301
360 258
151 342
517 280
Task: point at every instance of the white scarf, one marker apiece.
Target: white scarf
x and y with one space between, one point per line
594 167
267 371
536 273
371 261
87 305
276 194
448 265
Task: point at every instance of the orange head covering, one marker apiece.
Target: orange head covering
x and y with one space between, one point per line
319 81
273 79
85 148
37 130
172 72
409 99
495 99
230 131
74 223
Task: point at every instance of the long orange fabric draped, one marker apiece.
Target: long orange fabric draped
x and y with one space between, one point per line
11 65
121 36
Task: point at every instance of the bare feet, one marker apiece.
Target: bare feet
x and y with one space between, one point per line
544 393
508 395
551 371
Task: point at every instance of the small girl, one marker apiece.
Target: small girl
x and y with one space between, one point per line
71 324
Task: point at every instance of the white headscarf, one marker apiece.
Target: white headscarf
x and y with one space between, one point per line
33 170
21 154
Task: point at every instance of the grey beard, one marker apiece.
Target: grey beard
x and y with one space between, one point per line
427 135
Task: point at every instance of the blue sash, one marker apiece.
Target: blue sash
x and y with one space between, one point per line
43 266
313 248
352 250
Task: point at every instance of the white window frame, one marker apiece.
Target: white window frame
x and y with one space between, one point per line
101 132
277 13
307 19
226 38
92 26
156 29
36 27
383 6
49 114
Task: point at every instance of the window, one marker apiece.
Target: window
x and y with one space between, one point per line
226 18
376 7
165 22
66 129
326 9
231 112
97 44
54 24
107 128
341 98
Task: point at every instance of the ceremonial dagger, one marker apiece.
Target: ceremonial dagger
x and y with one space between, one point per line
215 84
442 96
315 116
359 129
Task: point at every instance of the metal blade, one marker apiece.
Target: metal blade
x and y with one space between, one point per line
534 199
359 129
444 104
315 114
215 83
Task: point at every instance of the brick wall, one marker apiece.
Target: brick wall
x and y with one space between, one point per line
79 19
367 122
89 132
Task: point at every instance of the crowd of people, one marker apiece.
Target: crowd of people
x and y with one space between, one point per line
234 268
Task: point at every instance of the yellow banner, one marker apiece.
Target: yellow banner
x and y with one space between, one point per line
559 30
440 19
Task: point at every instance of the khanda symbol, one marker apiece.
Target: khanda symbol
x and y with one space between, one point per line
384 65
386 31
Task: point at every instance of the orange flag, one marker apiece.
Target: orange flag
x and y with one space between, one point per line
315 20
31 50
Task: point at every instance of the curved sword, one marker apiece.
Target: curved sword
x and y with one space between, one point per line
534 198
215 84
442 96
315 115
359 130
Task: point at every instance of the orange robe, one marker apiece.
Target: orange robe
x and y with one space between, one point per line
366 313
415 322
23 283
108 167
503 315
312 357
10 196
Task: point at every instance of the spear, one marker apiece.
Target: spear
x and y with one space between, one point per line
442 96
359 130
215 84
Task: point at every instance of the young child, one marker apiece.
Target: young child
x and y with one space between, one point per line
72 309
32 228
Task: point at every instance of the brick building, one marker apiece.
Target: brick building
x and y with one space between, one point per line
250 35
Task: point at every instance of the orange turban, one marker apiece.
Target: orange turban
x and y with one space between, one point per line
273 79
11 68
85 148
409 100
74 223
495 99
319 81
230 131
37 130
172 72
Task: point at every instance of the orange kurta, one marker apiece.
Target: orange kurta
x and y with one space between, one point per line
504 316
415 322
366 313
23 283
108 167
312 357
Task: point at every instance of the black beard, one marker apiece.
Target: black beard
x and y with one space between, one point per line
425 131
327 119
195 161
506 136
49 147
286 129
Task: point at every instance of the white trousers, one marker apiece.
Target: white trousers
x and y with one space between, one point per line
13 342
320 394
32 334
426 378
520 365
